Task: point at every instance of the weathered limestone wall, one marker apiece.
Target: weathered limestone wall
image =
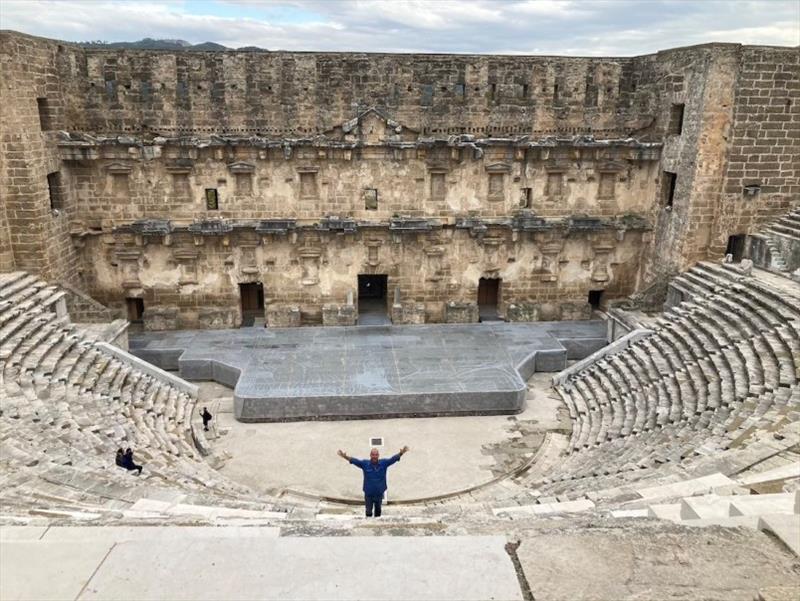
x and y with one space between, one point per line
6 251
301 93
127 183
698 78
762 174
190 280
39 237
740 128
478 149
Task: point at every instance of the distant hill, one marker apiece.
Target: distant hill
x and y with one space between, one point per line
151 44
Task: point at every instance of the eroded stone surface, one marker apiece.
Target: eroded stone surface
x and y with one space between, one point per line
653 562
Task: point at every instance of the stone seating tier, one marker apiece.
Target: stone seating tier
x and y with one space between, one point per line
719 366
67 406
718 375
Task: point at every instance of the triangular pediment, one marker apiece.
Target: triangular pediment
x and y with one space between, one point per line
119 168
373 126
241 167
370 116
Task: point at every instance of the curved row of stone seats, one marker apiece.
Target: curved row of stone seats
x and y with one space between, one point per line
66 406
719 366
615 469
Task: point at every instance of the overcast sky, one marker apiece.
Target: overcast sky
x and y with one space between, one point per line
571 27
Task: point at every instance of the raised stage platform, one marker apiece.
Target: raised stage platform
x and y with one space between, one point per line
372 371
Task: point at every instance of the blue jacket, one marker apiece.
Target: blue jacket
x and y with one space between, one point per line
374 474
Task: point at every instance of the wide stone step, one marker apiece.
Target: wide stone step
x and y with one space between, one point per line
175 566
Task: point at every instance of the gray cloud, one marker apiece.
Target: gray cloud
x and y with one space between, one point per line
570 27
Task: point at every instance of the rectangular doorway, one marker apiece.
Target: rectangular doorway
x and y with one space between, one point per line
135 308
488 298
252 296
736 247
596 299
372 307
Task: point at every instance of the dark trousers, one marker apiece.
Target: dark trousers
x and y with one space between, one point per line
373 501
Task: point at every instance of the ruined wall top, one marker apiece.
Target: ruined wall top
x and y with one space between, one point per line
280 94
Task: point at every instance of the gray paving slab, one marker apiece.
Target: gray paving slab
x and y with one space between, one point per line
118 534
460 568
11 533
375 371
38 570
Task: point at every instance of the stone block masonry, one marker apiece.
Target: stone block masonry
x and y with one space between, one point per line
167 185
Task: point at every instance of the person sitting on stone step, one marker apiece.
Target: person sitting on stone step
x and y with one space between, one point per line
374 470
120 458
128 463
206 415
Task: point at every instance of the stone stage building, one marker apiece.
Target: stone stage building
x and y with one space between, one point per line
212 189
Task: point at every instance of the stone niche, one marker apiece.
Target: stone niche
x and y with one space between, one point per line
283 316
339 315
408 313
456 312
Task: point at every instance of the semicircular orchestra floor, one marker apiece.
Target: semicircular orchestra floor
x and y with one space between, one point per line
449 455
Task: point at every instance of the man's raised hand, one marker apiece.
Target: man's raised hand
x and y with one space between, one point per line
341 454
404 450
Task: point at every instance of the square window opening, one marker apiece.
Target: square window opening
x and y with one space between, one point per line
371 199
212 199
676 119
525 198
55 192
45 114
668 188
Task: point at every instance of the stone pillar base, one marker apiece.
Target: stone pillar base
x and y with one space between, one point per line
339 315
455 312
410 313
283 316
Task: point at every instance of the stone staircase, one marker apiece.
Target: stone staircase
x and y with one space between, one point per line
782 241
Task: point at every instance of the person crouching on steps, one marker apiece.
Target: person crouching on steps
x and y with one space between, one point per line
374 470
128 464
